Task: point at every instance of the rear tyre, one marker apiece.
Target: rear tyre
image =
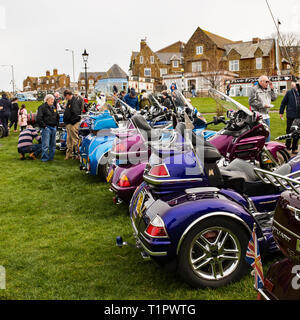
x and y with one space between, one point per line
103 168
1 131
213 253
282 158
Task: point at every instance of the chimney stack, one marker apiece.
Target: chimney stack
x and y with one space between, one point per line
55 72
255 40
48 73
143 43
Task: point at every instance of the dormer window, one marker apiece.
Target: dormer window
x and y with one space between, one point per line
175 64
141 59
199 50
152 59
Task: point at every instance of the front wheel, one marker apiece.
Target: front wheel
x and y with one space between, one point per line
213 253
267 164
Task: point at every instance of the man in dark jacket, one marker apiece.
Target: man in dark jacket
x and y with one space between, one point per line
291 102
14 114
132 100
71 120
48 119
5 110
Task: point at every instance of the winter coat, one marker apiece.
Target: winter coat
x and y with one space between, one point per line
22 117
14 112
260 97
5 108
47 116
73 111
133 102
290 103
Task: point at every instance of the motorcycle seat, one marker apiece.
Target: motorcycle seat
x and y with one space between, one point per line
241 177
141 123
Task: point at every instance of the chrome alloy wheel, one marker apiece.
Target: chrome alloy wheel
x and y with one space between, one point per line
214 253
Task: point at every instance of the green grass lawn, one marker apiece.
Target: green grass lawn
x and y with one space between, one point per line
57 236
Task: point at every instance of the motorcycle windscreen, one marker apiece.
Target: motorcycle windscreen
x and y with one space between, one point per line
227 102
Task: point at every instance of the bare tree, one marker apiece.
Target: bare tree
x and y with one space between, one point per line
290 49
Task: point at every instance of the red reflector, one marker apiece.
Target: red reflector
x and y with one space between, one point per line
159 171
124 182
268 285
156 231
84 125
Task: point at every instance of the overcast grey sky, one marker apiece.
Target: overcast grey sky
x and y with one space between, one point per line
35 33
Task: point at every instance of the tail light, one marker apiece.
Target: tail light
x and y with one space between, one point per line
124 182
159 171
120 148
156 228
84 125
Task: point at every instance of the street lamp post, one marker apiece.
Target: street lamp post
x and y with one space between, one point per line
72 51
85 57
12 76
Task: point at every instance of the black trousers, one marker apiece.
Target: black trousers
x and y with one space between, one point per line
289 142
4 121
14 123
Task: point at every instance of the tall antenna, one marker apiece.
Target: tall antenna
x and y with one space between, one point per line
279 34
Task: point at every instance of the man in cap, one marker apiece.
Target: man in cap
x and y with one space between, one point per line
71 119
132 100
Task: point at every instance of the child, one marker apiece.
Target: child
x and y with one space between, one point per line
22 117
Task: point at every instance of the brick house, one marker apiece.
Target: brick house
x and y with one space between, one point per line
254 58
48 83
150 66
203 62
92 79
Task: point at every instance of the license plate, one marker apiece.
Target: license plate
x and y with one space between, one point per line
110 175
140 204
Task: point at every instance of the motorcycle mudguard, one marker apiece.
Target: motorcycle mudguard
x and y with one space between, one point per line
96 156
274 147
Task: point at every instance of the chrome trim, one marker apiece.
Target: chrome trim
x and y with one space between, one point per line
287 230
296 211
263 294
201 190
151 253
113 153
156 181
213 214
164 227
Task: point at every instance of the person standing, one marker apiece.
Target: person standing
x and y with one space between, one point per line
72 120
14 114
22 117
193 90
173 87
260 99
5 110
48 120
291 102
132 100
228 89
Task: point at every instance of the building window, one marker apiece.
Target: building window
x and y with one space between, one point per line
197 66
91 81
47 82
152 59
258 63
82 81
141 59
199 50
163 71
147 72
234 65
175 64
